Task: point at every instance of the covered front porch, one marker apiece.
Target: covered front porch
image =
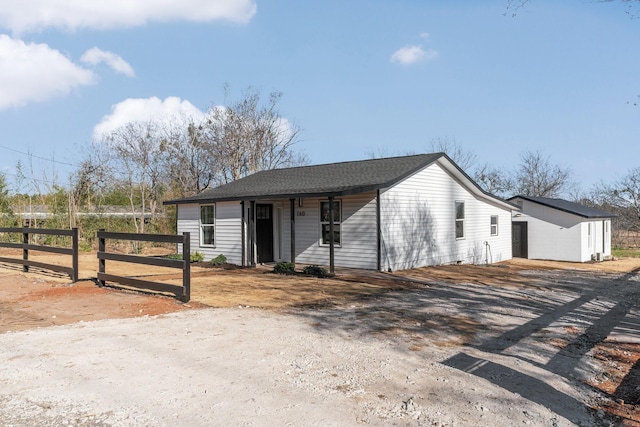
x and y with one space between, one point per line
269 228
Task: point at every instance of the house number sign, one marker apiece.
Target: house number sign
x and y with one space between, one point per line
300 213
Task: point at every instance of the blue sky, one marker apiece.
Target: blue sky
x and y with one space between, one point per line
357 77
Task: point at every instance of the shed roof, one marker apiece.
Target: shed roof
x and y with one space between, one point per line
567 206
333 179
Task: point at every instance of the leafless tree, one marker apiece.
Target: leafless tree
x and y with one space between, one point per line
87 183
623 198
493 180
138 158
537 176
189 161
464 158
248 136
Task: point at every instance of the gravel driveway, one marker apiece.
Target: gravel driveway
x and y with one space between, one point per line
439 354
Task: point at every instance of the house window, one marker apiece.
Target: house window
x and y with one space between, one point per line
459 220
207 225
324 222
494 225
589 234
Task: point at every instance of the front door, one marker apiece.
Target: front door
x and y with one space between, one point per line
519 240
264 232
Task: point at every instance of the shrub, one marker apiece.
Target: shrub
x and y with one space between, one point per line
315 270
284 268
193 257
196 257
219 260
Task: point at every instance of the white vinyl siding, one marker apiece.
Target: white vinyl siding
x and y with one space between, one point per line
228 230
419 223
358 248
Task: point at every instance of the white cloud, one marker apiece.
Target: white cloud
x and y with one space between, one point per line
95 56
409 55
35 15
144 110
31 72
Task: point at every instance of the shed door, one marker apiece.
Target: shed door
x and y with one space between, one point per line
519 240
264 232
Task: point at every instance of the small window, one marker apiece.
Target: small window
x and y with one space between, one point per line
459 220
494 225
324 222
207 225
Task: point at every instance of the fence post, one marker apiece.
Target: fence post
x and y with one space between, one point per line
102 247
25 250
186 272
74 248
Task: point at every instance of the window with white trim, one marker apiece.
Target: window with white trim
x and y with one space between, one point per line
324 222
459 220
207 225
494 225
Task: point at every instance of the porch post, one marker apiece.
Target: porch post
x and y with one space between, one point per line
378 233
252 233
292 224
331 237
243 234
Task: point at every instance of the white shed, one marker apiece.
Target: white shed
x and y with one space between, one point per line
383 214
557 229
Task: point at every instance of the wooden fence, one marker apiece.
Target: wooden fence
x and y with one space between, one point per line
27 246
181 292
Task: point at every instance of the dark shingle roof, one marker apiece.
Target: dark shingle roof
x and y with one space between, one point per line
337 179
567 206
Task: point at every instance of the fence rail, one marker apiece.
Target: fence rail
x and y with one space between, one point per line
181 292
27 246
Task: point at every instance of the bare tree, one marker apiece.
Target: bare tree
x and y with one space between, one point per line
87 183
138 157
493 180
623 198
464 158
190 162
537 176
247 136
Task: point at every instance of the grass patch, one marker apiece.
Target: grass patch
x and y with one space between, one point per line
628 252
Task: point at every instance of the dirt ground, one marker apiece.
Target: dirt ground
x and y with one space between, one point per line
544 331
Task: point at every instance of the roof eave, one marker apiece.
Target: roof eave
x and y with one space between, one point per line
332 193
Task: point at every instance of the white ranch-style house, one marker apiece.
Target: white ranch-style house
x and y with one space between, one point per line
560 230
379 214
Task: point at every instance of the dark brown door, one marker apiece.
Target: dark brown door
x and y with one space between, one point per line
264 232
519 240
